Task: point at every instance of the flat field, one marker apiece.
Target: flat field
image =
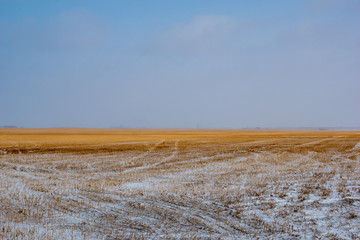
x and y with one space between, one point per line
179 184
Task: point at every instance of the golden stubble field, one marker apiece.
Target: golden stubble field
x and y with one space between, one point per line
179 184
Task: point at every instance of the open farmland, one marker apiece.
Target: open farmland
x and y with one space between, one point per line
179 184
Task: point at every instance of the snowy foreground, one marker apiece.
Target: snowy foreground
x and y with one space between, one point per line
298 187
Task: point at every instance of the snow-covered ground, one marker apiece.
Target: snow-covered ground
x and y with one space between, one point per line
185 190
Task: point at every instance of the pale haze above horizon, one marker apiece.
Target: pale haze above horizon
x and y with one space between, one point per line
180 64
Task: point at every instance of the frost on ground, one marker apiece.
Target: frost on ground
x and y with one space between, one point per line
286 185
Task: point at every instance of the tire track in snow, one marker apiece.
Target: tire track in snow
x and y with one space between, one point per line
133 160
196 216
313 142
147 152
356 147
172 156
201 217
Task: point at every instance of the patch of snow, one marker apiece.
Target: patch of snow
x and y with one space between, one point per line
357 146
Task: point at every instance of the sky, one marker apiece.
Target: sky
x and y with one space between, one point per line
180 64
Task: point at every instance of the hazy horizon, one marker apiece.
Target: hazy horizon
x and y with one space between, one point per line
180 64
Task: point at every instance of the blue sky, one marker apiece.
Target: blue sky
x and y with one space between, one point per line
180 64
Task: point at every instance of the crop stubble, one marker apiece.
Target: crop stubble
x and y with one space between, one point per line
176 184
